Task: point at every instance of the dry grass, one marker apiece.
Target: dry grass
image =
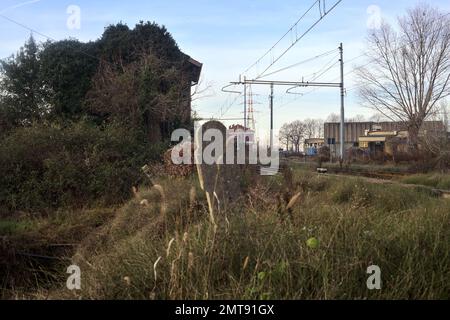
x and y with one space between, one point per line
435 180
259 250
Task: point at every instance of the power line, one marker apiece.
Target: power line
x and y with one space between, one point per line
302 36
325 70
297 39
393 51
291 31
26 27
325 66
312 90
354 70
276 43
224 109
299 63
34 31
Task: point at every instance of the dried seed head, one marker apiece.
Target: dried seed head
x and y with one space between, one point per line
169 246
192 196
245 263
135 191
155 265
190 260
293 201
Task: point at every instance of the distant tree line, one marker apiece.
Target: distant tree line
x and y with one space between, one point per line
293 134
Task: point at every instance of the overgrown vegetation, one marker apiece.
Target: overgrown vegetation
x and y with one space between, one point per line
72 165
435 180
166 248
79 120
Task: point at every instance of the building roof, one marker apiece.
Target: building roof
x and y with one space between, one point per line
354 130
315 140
194 68
372 139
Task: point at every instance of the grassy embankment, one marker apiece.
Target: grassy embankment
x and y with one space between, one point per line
434 180
169 250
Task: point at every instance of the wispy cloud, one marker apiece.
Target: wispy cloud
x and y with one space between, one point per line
18 5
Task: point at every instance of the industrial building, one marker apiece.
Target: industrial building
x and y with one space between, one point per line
313 145
372 136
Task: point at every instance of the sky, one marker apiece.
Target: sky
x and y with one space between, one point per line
228 36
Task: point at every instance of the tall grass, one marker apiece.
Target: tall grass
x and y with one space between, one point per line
259 249
439 181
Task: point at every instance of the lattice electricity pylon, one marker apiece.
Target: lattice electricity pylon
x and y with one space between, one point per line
251 123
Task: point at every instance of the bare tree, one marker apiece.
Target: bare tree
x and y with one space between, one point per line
310 128
319 128
297 129
444 113
284 135
410 69
334 117
357 118
313 128
203 89
378 117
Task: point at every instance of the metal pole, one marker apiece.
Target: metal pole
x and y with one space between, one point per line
342 130
245 105
271 117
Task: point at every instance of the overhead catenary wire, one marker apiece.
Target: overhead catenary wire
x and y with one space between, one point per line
281 39
330 65
317 88
223 110
393 51
302 36
299 63
297 37
316 76
227 106
365 54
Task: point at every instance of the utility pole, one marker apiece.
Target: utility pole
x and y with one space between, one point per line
298 84
245 105
284 83
271 117
342 130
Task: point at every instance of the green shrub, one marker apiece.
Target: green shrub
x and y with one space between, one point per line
45 167
9 227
